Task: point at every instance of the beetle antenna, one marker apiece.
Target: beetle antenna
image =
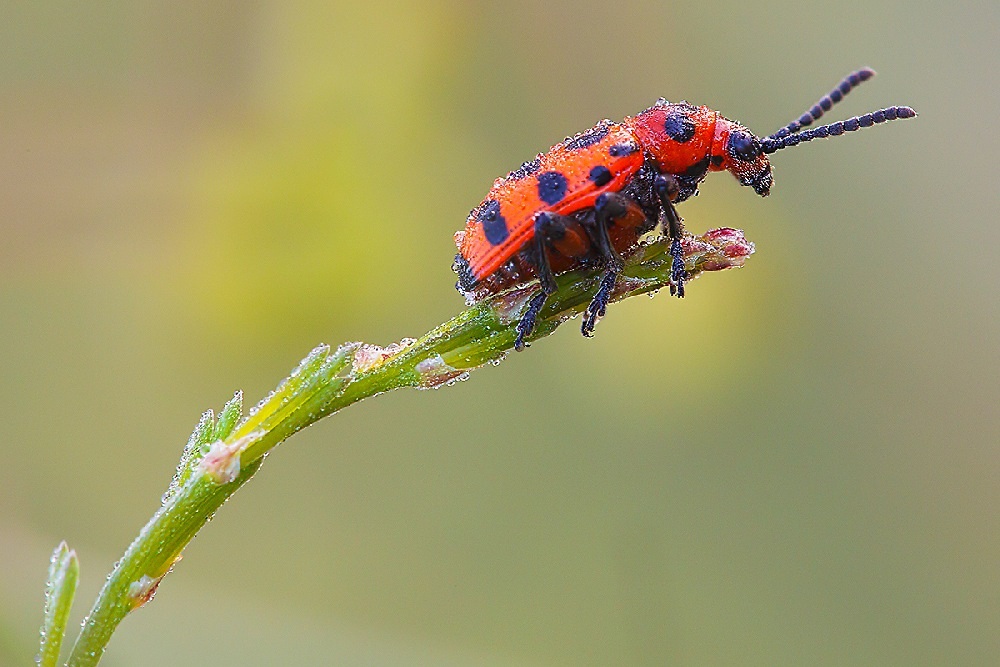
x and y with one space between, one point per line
772 144
851 81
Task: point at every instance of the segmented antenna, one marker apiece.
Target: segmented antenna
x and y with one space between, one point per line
773 143
826 103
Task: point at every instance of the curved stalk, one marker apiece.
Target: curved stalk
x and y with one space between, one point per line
224 453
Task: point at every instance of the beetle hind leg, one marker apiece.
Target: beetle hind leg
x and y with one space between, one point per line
548 227
527 322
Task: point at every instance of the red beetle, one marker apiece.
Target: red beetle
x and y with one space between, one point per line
587 200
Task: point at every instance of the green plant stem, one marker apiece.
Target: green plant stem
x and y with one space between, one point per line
224 454
150 556
64 572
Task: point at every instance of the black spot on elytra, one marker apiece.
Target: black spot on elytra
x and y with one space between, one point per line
621 150
527 169
551 187
494 224
600 175
716 160
678 125
588 138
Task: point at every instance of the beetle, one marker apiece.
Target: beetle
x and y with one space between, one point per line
588 200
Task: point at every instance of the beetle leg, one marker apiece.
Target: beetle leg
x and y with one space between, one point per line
667 188
608 206
548 226
527 322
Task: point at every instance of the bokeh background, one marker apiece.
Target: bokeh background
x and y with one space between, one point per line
799 464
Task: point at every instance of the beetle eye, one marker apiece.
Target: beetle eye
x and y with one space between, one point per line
742 146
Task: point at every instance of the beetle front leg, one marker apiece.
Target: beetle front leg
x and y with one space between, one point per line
667 188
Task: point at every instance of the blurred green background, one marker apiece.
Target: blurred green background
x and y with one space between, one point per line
796 465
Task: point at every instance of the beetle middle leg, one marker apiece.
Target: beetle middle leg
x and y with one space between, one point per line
667 189
608 206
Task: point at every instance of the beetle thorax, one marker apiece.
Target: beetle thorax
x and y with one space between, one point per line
677 136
